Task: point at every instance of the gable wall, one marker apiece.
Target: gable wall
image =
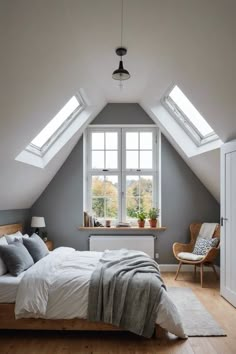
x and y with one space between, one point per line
184 198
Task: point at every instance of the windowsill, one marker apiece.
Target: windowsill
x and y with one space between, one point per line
113 228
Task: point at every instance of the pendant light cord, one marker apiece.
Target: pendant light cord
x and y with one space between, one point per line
122 20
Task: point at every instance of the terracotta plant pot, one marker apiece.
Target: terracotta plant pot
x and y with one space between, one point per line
141 223
153 222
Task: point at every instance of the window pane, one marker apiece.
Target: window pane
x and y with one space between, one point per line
111 141
111 197
139 195
97 159
132 159
132 196
105 197
98 200
56 122
146 192
98 141
131 141
146 141
111 159
190 111
145 159
98 185
98 207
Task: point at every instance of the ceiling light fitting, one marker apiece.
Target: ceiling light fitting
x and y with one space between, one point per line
121 73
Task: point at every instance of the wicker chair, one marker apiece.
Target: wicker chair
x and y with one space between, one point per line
207 260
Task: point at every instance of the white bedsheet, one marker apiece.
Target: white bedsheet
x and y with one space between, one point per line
8 287
57 287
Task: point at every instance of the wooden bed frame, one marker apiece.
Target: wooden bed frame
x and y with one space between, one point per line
8 321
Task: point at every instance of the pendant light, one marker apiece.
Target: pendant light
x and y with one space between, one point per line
121 73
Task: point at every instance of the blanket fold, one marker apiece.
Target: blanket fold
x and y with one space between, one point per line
207 230
125 290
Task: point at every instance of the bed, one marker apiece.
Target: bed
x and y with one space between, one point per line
9 287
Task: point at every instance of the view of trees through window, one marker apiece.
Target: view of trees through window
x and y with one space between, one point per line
105 196
139 191
138 194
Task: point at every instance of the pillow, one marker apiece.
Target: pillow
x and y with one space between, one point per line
12 237
202 245
16 257
3 268
36 247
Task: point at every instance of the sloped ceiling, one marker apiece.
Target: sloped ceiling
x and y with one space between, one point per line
51 49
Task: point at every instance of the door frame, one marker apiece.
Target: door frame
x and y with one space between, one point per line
224 291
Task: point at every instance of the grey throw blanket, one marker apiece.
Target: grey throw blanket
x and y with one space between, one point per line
125 290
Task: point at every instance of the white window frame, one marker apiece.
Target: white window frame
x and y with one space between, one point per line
121 171
185 122
41 151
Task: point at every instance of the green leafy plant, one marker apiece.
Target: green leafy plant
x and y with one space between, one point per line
153 213
141 215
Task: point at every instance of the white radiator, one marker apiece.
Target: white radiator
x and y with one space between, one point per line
139 243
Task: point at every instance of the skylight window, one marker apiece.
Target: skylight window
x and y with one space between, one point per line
56 123
188 117
70 118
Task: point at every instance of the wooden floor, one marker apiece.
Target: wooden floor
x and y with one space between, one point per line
12 342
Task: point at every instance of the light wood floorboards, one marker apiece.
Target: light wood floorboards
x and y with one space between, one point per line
13 342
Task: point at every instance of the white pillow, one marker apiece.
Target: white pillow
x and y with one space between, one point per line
3 268
16 236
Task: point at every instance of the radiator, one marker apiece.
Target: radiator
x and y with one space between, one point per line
139 243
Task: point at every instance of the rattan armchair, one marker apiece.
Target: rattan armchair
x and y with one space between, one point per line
207 260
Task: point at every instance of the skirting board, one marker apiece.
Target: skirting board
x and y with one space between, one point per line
185 268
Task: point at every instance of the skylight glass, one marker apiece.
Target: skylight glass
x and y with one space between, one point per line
52 127
190 111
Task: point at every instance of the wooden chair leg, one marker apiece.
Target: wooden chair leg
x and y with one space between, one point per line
177 273
214 270
195 271
201 269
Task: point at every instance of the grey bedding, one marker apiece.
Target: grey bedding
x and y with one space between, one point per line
125 290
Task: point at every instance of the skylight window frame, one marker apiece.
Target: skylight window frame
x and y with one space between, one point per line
55 136
183 120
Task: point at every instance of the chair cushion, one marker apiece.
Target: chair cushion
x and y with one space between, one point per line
190 256
202 246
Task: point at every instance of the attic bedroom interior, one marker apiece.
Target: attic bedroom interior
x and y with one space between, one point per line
118 176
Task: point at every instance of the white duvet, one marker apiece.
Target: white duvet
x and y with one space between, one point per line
57 287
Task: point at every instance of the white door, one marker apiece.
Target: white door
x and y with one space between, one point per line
228 222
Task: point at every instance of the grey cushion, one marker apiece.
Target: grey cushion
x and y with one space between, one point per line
202 246
36 247
16 258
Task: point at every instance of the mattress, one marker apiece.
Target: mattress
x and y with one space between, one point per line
8 287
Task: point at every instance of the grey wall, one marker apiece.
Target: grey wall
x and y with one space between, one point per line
21 216
125 113
184 198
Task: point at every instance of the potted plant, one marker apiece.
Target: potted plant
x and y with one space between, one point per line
141 216
153 215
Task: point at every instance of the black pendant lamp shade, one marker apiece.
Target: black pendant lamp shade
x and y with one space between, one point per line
121 73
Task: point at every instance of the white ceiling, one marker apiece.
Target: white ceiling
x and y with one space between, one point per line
51 49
